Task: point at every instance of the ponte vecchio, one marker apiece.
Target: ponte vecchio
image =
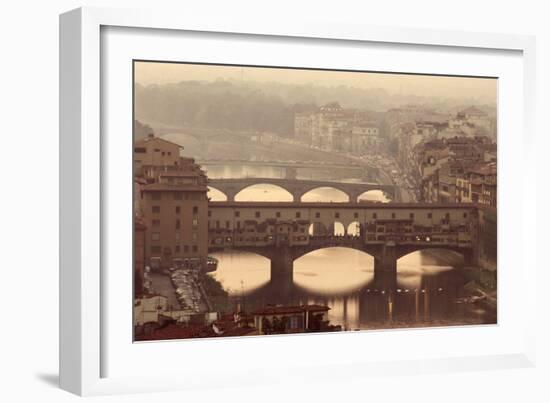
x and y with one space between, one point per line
283 232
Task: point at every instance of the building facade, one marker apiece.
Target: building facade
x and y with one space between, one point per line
334 128
171 196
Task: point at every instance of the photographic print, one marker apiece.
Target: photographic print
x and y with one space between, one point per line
273 200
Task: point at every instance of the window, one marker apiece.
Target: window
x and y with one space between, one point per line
140 150
195 222
238 224
392 215
411 216
185 248
194 236
178 224
227 224
155 249
465 215
237 213
278 214
155 209
429 215
447 216
298 214
209 213
195 248
178 235
317 215
178 249
374 215
217 224
155 223
155 236
195 210
178 209
355 215
156 195
257 214
178 195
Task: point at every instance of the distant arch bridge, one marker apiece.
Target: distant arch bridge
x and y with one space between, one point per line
299 187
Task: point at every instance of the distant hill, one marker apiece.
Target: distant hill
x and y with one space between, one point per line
254 106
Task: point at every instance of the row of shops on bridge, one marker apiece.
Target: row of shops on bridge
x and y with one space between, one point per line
271 232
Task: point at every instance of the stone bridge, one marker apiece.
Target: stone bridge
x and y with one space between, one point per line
284 232
297 187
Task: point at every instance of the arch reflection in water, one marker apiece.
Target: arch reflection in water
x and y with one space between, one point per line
321 272
241 272
422 292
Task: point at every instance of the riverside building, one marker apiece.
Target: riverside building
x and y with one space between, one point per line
173 204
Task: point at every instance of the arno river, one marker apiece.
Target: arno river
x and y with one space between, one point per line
428 290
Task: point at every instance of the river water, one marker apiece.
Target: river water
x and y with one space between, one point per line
428 289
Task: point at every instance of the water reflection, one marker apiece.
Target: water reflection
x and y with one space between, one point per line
241 272
319 273
423 293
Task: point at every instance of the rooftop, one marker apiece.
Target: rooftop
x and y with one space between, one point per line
173 331
472 110
150 138
282 310
168 187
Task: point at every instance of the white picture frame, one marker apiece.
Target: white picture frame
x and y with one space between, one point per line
85 345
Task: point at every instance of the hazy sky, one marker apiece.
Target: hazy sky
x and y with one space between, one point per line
403 84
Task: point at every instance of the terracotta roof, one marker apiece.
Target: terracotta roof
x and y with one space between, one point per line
173 331
145 140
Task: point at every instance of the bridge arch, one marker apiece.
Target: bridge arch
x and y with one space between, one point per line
217 195
456 255
274 193
334 195
378 195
